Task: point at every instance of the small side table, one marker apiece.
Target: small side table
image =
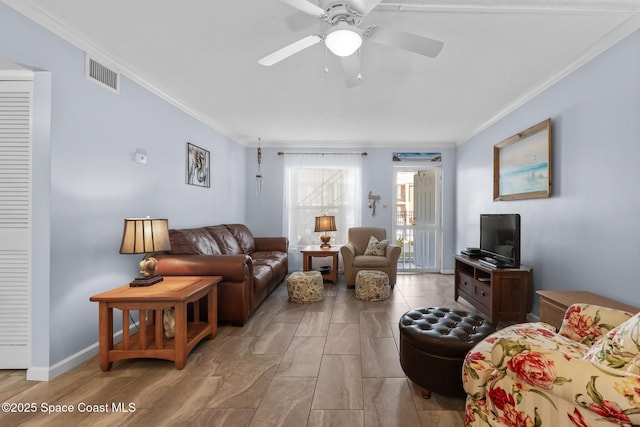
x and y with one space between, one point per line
311 252
149 301
553 304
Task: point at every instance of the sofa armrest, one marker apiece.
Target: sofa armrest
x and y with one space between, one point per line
232 268
348 252
280 244
392 252
586 323
482 360
610 393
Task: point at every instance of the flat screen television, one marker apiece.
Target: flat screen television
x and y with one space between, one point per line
500 239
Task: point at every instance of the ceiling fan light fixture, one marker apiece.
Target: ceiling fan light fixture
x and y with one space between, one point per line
343 40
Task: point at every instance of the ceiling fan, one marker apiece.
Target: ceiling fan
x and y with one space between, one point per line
344 36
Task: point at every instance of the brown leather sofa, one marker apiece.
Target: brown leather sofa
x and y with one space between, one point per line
251 267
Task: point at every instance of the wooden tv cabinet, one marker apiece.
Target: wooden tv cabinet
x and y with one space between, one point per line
501 294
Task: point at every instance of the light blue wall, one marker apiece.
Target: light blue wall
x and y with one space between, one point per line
585 237
91 183
264 214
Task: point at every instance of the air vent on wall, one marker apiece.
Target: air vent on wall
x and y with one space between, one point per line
101 74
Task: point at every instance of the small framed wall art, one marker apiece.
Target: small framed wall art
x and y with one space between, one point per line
522 164
198 162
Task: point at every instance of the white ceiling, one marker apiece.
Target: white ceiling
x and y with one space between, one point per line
201 55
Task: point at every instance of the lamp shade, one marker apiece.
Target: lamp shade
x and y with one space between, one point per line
145 235
325 223
343 40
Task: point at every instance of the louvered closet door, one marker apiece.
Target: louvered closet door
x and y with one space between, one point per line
15 223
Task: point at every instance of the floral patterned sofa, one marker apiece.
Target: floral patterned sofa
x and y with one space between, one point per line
586 374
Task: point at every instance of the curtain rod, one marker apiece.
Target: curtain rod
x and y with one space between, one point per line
363 154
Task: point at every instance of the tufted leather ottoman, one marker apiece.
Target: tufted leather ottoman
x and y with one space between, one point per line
433 344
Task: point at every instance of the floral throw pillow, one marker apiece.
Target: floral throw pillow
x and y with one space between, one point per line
586 323
376 247
619 348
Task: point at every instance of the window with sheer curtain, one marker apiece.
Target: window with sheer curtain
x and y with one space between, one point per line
316 185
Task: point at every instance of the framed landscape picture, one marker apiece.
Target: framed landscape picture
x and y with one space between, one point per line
522 164
198 170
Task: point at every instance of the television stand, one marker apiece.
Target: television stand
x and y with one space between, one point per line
499 293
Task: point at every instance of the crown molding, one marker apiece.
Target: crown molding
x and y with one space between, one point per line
627 28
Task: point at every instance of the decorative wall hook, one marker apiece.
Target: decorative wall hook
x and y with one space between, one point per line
373 201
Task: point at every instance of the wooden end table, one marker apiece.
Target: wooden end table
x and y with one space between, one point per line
310 252
150 301
553 304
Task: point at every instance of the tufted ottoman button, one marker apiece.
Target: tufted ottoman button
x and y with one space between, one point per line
433 344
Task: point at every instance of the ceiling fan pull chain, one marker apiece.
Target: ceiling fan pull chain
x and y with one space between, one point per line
359 64
326 57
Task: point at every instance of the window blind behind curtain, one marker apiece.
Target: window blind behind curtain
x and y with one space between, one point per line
316 185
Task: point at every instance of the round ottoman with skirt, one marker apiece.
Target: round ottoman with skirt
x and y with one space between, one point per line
433 344
305 286
372 285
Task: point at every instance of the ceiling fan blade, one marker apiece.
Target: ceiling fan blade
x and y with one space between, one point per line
289 50
305 6
363 7
406 41
351 68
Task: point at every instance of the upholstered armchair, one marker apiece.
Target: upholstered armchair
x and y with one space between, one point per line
382 255
586 374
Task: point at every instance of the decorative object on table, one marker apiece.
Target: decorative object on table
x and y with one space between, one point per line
323 224
417 157
198 170
169 322
145 236
373 201
258 173
522 164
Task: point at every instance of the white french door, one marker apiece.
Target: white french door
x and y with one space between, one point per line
417 218
15 223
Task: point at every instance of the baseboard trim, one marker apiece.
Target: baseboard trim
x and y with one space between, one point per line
447 271
47 373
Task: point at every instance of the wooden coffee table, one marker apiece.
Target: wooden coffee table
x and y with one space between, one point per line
150 340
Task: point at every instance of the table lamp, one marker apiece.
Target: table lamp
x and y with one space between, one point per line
145 236
323 224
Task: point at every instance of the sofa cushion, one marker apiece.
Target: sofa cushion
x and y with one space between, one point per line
490 353
619 347
243 236
262 276
376 247
586 323
372 261
193 241
226 242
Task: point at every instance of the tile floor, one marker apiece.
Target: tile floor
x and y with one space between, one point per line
333 363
